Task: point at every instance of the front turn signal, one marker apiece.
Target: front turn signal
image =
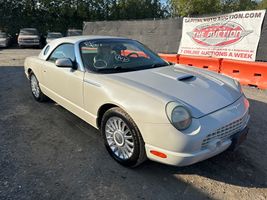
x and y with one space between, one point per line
159 154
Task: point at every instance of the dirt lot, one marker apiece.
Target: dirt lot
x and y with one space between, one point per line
48 153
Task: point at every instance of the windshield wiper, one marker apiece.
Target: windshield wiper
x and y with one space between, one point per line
117 67
112 69
159 65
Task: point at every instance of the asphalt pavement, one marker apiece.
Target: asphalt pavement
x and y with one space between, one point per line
47 152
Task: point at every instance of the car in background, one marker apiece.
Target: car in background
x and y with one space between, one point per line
4 39
74 32
29 37
53 35
143 106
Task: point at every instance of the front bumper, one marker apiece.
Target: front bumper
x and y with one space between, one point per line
22 43
185 159
187 148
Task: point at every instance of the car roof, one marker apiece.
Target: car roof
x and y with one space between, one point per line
28 29
53 32
72 39
80 38
73 29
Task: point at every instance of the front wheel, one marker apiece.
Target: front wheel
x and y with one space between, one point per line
122 138
36 90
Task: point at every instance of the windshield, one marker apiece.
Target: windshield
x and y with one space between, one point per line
2 35
74 32
28 32
118 55
54 35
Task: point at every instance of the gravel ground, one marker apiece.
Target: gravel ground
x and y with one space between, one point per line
48 153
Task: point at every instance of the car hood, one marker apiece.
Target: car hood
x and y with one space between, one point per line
200 92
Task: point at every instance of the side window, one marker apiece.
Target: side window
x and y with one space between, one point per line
63 51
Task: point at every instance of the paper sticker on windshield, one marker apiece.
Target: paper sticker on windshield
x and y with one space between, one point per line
121 58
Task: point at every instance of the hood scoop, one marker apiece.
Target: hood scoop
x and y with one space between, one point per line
185 77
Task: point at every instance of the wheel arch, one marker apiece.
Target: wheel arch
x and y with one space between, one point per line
29 71
101 111
140 155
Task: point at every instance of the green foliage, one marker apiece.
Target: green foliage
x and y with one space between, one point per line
59 15
206 7
195 7
238 5
262 4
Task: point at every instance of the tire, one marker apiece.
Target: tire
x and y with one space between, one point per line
36 90
122 138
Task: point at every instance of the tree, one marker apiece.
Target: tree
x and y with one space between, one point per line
59 15
262 4
195 7
238 5
206 7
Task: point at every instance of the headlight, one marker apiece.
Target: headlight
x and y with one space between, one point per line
178 115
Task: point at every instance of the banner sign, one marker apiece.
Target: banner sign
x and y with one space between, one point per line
234 35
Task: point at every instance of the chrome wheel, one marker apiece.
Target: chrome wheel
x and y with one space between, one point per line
119 138
35 87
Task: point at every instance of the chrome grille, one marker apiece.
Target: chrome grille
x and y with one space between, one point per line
226 131
28 40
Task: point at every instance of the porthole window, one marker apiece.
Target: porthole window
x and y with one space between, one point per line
46 49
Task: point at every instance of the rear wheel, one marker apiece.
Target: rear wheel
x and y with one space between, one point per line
122 138
36 90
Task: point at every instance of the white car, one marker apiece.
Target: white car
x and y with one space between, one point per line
74 32
29 37
4 39
53 35
143 106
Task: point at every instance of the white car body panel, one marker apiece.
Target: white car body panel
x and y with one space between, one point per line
31 38
28 40
199 94
214 101
4 42
48 40
4 39
52 36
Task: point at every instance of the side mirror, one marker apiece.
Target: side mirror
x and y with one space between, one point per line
65 63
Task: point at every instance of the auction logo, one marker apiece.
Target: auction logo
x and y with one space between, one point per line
218 34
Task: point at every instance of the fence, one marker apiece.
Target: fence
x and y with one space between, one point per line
163 36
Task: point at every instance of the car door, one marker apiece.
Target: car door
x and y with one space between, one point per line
64 85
